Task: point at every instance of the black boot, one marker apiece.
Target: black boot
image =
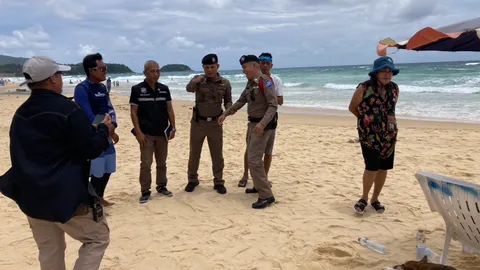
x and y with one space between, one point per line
191 186
262 203
221 189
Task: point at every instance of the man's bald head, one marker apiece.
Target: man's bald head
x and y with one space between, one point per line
251 70
151 70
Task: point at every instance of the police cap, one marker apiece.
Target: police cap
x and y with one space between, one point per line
248 58
210 59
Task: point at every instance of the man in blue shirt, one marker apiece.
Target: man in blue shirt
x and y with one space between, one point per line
93 97
51 141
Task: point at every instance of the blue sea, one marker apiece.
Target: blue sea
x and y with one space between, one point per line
434 91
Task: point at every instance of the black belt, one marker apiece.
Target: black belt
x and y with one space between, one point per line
254 120
208 119
271 125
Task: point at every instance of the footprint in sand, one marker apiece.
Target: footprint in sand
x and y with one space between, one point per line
331 252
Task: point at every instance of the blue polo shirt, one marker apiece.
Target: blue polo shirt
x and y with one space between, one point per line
94 99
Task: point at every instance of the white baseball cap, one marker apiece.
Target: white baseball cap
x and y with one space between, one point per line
39 68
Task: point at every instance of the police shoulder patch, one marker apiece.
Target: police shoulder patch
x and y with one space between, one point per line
268 83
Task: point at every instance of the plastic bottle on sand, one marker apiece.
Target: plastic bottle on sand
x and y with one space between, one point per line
372 245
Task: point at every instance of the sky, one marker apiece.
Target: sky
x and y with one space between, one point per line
298 33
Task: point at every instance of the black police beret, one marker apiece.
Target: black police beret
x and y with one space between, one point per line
248 58
210 59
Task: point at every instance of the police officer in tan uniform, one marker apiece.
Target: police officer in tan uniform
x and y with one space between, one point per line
262 107
211 90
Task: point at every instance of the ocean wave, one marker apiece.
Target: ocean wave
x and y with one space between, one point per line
340 86
457 69
301 85
414 89
472 64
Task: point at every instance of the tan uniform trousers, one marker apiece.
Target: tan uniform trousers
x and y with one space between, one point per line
214 134
50 239
270 143
255 149
157 145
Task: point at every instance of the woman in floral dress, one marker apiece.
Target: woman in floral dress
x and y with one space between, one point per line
373 103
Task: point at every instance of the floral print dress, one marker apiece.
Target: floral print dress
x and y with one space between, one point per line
377 126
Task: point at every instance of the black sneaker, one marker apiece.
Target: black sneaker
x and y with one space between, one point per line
220 188
145 197
191 186
164 191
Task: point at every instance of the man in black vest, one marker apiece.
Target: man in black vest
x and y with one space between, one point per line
153 119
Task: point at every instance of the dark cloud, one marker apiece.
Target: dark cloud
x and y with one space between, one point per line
416 10
298 32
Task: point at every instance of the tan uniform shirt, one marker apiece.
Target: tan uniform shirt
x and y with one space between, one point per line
209 95
263 106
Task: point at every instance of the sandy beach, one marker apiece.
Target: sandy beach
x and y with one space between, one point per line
316 173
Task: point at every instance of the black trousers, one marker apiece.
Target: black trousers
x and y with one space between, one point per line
99 184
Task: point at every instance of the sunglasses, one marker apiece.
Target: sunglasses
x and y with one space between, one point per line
102 69
265 58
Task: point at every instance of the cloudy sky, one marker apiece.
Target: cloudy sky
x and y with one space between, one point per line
297 32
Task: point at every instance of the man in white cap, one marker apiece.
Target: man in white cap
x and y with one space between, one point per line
51 145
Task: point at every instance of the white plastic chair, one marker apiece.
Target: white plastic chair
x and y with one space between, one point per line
459 204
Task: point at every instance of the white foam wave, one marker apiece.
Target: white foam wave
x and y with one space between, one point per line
472 64
465 89
340 86
293 84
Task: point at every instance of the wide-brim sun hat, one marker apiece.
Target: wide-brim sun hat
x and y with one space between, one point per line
381 63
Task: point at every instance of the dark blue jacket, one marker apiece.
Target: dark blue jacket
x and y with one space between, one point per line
51 144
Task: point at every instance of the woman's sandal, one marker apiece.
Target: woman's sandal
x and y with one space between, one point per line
242 183
378 207
360 206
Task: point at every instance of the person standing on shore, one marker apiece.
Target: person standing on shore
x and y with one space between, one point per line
152 115
373 103
51 143
92 95
109 84
266 65
210 90
260 95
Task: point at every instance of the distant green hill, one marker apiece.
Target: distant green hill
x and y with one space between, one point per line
9 64
175 67
77 69
5 59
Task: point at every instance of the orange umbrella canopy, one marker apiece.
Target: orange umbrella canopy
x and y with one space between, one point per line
462 36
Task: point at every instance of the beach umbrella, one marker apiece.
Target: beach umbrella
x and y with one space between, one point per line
463 36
